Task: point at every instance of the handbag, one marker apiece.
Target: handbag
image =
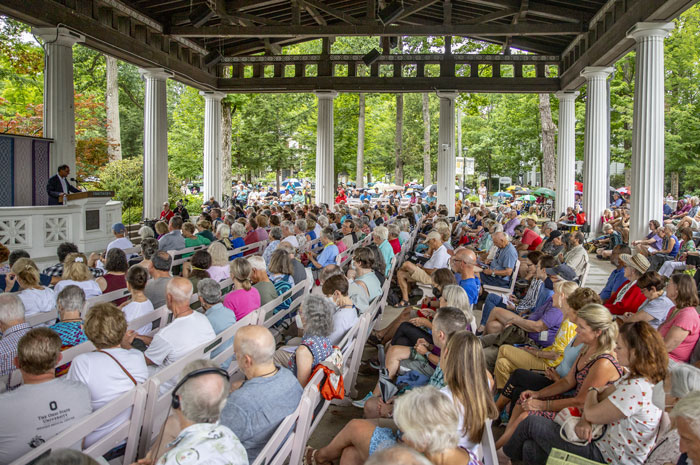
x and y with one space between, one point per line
568 418
331 386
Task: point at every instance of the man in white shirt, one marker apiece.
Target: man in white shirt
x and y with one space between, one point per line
411 272
43 406
188 330
120 241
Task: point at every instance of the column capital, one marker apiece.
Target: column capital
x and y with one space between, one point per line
58 35
563 95
209 95
326 94
448 94
593 72
159 74
651 29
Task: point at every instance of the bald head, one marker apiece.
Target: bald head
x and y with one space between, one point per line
255 343
500 239
179 291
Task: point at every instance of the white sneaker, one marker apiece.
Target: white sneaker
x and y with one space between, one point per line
361 403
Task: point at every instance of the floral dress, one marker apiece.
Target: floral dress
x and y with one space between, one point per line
580 378
319 346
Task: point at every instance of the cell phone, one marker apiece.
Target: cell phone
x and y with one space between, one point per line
138 344
519 345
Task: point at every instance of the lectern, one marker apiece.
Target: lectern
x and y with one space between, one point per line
92 203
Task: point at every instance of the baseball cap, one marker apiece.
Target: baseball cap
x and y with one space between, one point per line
118 228
563 271
555 234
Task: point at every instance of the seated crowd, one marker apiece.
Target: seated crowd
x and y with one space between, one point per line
622 364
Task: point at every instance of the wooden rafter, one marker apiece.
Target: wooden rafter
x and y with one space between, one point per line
333 11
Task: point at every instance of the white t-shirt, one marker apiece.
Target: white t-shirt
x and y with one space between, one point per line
317 230
463 440
176 340
438 259
107 381
37 300
630 439
135 310
120 243
343 320
292 240
90 287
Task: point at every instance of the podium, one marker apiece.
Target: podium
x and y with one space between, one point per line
85 219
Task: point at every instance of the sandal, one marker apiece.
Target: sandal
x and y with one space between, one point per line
403 304
310 456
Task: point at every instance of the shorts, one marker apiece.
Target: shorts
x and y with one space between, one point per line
421 366
421 276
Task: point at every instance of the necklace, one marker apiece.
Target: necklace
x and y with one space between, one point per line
270 373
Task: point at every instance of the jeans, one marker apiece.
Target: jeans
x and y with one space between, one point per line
498 281
492 301
536 436
408 334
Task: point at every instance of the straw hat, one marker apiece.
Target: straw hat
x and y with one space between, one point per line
639 262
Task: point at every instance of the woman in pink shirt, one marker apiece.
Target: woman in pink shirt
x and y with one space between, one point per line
244 298
682 326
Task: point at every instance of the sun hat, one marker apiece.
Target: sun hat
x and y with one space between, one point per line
639 262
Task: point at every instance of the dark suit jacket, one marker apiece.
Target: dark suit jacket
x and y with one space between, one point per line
54 189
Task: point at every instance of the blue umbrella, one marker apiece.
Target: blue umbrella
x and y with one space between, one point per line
291 183
502 194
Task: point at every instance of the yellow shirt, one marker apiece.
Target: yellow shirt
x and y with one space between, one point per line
567 331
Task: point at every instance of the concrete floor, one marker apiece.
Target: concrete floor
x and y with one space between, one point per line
337 417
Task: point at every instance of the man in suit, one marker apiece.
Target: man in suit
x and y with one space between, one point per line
59 186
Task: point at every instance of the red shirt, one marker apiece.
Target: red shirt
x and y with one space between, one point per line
531 238
631 301
580 218
396 245
167 215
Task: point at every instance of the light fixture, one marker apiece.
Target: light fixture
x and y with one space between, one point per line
371 57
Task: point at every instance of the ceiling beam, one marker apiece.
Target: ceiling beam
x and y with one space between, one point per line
313 12
522 29
333 12
415 8
540 9
492 16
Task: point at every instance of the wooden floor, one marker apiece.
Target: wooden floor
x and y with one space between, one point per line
337 417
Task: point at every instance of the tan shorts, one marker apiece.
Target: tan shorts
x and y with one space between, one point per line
421 276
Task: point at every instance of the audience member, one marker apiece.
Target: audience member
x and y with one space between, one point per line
243 298
256 408
30 416
110 370
35 297
198 267
173 240
56 271
686 413
161 263
138 305
628 297
120 240
260 279
656 306
681 328
77 272
13 327
617 277
414 273
70 303
499 271
345 315
114 278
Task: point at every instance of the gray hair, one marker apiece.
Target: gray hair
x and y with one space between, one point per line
276 233
11 308
394 229
607 227
149 247
209 290
328 271
259 349
404 225
322 220
685 378
381 232
318 315
301 224
202 399
551 225
257 262
162 261
689 408
672 228
66 457
288 225
223 230
70 299
237 230
428 419
398 454
145 232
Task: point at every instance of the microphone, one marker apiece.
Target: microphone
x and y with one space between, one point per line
73 179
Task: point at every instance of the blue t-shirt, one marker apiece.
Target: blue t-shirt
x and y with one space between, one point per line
471 286
236 243
255 410
327 255
505 258
615 280
221 318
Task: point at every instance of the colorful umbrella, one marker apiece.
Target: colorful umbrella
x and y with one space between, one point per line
624 190
529 198
291 183
513 188
502 194
544 192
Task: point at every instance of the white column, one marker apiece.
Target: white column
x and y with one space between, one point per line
566 151
447 163
325 174
59 106
595 153
648 127
155 141
212 145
